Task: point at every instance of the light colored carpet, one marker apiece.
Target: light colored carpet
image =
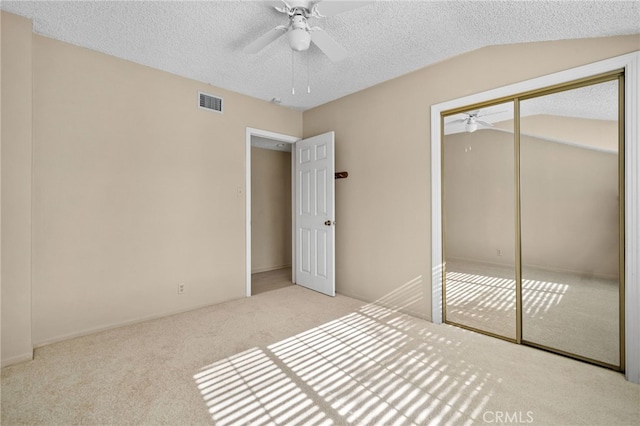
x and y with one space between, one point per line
570 312
270 280
293 356
481 296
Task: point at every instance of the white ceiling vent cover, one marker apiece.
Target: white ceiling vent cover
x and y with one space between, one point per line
209 102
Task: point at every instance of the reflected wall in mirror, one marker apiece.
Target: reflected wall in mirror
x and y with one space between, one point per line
479 212
569 189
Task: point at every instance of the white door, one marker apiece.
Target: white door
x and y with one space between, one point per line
315 213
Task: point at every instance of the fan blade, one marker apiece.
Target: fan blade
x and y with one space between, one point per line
329 46
492 113
333 7
459 120
484 123
279 5
262 41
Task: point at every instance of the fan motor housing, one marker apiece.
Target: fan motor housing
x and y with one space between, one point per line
300 4
299 37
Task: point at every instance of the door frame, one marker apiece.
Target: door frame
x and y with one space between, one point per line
247 191
631 65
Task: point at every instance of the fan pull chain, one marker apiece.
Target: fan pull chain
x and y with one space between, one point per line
293 89
308 73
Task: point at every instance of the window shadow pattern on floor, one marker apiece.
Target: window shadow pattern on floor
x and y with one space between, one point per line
374 366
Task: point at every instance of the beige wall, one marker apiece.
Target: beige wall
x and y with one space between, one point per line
479 204
135 191
16 188
382 140
598 134
569 200
270 209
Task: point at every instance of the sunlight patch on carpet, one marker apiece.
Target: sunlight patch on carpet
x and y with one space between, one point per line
374 366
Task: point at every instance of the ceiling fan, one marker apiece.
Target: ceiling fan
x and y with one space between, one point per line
299 33
472 121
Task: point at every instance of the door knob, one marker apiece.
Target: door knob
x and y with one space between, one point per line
328 223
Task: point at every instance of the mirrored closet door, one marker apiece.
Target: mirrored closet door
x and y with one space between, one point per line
570 221
479 212
532 219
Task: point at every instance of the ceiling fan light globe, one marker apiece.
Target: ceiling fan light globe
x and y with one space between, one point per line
299 39
471 127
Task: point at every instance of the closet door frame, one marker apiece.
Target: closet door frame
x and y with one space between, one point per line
514 102
630 64
617 76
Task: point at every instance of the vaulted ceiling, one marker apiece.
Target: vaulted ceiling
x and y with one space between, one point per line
385 39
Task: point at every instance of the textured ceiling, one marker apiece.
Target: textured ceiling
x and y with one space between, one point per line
596 102
385 39
264 143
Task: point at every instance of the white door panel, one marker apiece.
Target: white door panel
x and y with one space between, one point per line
315 213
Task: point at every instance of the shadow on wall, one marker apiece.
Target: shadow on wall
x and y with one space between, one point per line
403 298
374 366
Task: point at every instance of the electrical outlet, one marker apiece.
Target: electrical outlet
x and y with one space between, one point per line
499 252
180 288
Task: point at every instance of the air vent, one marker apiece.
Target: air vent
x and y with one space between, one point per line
210 102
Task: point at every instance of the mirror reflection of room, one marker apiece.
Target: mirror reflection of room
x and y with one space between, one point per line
557 199
479 212
570 221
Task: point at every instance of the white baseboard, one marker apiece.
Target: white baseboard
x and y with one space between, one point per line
269 268
17 359
112 326
541 267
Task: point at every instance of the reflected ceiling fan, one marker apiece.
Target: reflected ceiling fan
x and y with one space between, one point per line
472 121
299 33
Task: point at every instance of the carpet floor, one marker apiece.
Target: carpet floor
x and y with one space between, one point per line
271 280
569 312
293 356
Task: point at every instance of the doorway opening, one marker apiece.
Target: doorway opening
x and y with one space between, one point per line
269 218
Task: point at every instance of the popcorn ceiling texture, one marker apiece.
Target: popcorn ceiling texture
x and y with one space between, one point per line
204 40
